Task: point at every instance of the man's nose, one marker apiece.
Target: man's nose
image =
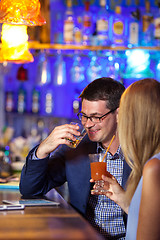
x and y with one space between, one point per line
89 123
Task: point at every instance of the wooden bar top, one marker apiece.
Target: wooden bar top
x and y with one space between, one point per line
44 222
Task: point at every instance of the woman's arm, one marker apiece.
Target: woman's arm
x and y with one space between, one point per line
149 215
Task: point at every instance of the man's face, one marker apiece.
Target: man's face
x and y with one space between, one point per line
104 130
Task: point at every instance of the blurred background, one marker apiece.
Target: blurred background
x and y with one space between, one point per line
81 41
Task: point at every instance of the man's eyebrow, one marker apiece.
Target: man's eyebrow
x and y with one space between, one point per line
92 114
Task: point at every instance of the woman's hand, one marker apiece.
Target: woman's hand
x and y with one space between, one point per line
114 191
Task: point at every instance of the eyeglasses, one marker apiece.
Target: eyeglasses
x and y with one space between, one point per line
84 118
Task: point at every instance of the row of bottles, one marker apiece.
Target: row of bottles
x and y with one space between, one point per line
38 96
41 103
107 28
16 101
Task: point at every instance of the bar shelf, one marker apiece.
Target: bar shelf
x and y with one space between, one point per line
38 45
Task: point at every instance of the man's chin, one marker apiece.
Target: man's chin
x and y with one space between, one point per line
93 138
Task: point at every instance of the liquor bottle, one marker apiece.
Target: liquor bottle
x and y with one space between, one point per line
87 24
49 101
118 28
94 38
134 29
35 100
58 28
21 104
22 76
9 103
76 104
157 26
147 26
102 25
10 95
68 34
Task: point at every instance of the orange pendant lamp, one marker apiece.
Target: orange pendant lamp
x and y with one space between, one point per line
22 12
16 15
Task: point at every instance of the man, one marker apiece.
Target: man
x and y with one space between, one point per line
52 163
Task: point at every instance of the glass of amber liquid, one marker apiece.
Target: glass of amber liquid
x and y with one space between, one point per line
98 168
82 131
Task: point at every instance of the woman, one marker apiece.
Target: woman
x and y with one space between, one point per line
139 135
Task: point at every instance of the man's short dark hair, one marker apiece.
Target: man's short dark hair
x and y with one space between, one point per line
106 89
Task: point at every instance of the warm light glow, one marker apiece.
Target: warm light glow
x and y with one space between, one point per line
15 44
21 12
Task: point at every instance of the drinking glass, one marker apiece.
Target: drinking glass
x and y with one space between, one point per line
43 69
98 168
77 69
80 137
94 69
60 70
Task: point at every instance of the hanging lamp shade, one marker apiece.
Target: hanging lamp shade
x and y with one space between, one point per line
21 12
14 46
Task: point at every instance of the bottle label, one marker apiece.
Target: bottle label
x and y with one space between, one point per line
157 28
35 102
118 28
9 102
133 33
78 36
76 106
68 31
102 37
102 25
49 103
21 103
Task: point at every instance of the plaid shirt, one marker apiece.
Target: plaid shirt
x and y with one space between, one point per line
105 215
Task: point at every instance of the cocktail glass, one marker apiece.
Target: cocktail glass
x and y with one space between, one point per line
98 168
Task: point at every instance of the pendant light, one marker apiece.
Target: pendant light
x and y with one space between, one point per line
14 46
16 15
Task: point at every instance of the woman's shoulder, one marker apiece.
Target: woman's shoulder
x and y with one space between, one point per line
151 170
153 164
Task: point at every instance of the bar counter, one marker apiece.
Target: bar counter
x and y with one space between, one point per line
44 222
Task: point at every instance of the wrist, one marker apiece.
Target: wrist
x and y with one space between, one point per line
40 154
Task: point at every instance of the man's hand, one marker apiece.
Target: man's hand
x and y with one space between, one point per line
59 135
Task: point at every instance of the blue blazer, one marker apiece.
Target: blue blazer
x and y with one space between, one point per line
64 164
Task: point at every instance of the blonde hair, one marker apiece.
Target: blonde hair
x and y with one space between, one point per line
139 127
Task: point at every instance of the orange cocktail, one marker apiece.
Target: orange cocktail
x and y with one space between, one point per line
97 170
